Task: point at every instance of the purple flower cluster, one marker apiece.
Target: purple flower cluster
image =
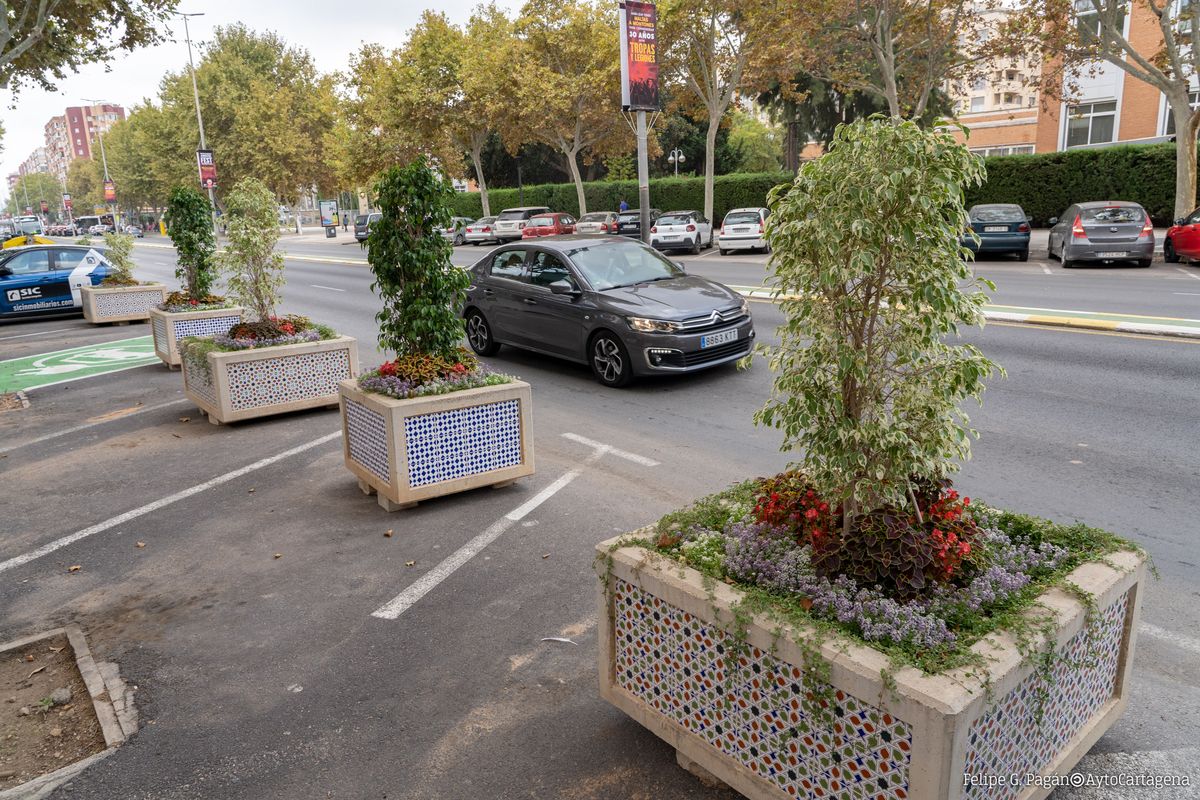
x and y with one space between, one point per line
756 553
1014 565
229 343
399 388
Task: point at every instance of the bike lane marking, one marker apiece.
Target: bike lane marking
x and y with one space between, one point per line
87 361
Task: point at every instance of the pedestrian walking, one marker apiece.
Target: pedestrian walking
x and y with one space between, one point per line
623 207
345 220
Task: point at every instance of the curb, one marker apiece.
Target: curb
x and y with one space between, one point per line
289 256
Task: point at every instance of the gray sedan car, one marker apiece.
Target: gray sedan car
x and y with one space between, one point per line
1103 231
612 303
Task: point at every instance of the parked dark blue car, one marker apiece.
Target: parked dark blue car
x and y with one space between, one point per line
1001 228
45 278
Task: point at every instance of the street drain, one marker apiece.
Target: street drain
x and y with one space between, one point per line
60 711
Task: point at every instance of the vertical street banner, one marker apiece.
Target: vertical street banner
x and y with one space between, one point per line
208 168
67 201
639 56
110 192
45 207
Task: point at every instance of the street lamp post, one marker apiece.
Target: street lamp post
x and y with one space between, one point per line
104 160
212 200
676 157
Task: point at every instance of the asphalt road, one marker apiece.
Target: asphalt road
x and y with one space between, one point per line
264 677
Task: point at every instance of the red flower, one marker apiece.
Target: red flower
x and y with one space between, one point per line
388 369
194 302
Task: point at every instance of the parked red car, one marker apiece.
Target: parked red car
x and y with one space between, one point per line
548 225
1183 239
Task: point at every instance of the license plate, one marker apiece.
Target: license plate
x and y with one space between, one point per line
1122 254
741 230
670 236
995 228
714 339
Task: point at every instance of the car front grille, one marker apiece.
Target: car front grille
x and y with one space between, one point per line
707 322
709 354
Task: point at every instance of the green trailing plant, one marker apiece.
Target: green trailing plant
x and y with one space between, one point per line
119 252
867 386
86 241
189 224
420 289
255 269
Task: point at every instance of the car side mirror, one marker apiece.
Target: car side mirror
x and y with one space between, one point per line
679 264
1180 221
5 272
564 287
1028 218
1052 221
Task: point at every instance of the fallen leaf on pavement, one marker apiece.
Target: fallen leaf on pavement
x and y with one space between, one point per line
249 491
56 649
141 544
410 563
35 672
389 532
545 555
557 639
185 419
176 435
29 656
74 568
279 555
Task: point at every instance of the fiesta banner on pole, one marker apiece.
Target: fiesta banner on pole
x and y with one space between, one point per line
208 168
110 191
639 56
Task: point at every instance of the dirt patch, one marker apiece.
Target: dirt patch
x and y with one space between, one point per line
38 734
12 401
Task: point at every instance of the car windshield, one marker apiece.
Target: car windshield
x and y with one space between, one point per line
511 215
538 222
597 217
997 213
1113 215
742 218
484 221
622 264
630 216
361 219
673 220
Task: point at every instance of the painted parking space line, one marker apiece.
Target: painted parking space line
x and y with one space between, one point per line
1177 639
88 361
91 424
121 519
327 288
449 565
1189 274
39 333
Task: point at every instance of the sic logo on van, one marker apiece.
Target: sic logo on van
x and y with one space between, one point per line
26 293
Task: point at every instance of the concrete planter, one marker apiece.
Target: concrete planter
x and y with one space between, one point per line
745 712
169 327
121 303
243 384
423 447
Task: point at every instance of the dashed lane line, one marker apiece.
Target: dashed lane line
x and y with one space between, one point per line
141 511
327 288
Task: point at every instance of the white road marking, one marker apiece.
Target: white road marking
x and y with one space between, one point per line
430 580
1047 270
120 519
330 288
39 333
634 457
1177 639
78 428
1189 274
1189 294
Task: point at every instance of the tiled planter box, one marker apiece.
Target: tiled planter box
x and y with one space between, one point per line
121 303
168 328
745 713
243 384
423 447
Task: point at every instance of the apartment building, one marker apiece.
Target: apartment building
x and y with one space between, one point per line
75 133
1107 106
36 162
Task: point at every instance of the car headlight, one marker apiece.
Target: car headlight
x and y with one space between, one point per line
646 325
745 303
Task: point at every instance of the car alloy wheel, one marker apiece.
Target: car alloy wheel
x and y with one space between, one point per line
479 335
610 360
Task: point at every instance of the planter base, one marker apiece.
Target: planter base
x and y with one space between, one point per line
384 502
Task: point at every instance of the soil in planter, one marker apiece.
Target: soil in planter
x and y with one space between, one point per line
38 735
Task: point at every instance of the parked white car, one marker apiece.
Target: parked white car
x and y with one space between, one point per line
99 229
681 230
597 222
512 221
743 230
480 231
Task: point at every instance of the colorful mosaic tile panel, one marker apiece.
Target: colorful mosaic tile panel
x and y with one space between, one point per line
366 433
199 381
118 304
1013 738
275 381
160 335
810 741
208 326
463 441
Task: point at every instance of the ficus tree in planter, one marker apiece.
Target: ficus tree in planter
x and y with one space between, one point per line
118 249
189 224
255 269
869 380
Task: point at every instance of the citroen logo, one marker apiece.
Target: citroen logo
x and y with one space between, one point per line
715 316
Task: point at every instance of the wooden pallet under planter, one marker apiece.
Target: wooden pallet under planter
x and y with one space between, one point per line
169 327
412 450
742 710
242 384
121 303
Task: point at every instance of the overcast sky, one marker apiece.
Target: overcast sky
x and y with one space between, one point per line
330 34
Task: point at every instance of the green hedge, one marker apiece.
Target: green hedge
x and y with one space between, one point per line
1044 184
668 194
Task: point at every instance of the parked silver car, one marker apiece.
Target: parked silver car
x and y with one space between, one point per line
511 222
481 231
456 234
744 229
597 222
607 301
1103 231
